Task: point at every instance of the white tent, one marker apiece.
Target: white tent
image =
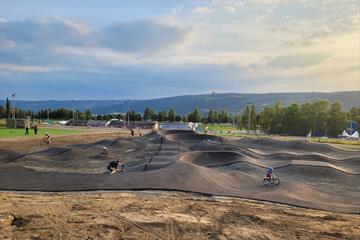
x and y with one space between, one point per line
344 134
355 135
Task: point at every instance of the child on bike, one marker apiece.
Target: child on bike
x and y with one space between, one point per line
269 173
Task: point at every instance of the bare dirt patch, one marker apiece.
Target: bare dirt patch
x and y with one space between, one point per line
155 215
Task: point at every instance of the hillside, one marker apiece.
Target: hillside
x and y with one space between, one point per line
233 102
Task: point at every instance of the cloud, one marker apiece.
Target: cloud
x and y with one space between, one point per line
28 68
297 60
142 36
201 10
54 41
49 32
44 32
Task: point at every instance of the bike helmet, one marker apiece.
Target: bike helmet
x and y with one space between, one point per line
270 169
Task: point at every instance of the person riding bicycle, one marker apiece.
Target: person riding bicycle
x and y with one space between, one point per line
269 173
113 166
47 138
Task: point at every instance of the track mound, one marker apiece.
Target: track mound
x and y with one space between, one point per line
291 145
191 137
208 159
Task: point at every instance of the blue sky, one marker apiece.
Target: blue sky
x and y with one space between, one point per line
149 49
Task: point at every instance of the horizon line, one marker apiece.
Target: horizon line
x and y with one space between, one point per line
185 95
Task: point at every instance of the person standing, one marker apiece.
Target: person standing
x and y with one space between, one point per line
36 129
308 137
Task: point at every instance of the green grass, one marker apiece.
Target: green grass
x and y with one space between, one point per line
219 127
19 132
334 140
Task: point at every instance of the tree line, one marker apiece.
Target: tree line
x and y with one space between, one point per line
296 119
319 117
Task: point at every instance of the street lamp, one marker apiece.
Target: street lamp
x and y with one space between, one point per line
128 113
14 115
73 112
249 113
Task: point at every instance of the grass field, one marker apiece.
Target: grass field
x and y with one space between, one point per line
336 141
219 127
19 132
222 130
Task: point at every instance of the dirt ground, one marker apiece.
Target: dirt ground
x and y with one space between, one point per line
156 215
35 144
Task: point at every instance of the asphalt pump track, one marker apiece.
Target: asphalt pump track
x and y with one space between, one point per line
313 175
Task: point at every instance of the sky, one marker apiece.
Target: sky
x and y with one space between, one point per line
132 49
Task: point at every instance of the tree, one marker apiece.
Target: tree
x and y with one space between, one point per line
321 116
253 119
147 114
138 117
307 118
212 116
224 116
250 113
291 119
184 118
336 119
172 115
195 116
267 119
354 114
87 114
245 117
178 118
279 112
238 121
163 116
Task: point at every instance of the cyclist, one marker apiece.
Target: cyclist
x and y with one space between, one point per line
269 173
113 166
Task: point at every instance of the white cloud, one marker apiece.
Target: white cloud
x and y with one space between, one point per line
201 10
297 60
4 67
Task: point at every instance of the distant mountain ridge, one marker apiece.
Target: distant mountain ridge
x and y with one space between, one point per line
233 102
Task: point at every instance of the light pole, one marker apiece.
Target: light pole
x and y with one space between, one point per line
128 113
213 106
14 115
249 113
73 113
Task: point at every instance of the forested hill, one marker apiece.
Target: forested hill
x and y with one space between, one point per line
233 102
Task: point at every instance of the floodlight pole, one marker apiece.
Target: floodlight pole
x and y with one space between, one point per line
249 113
14 115
73 114
213 102
128 114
